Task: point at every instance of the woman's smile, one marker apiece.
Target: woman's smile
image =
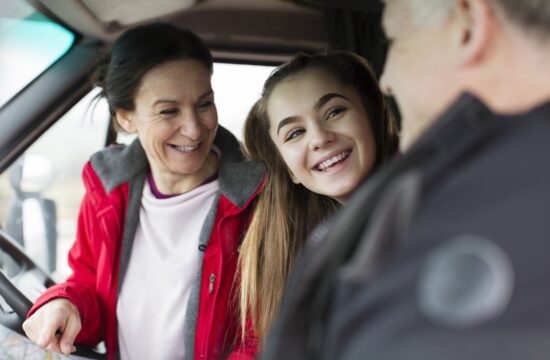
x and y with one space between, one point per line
185 148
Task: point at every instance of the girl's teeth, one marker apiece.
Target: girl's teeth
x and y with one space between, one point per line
327 163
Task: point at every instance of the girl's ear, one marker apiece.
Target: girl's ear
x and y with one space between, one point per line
294 179
475 30
125 120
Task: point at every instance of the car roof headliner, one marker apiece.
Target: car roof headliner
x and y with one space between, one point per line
242 30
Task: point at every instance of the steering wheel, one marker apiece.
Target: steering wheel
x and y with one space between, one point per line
33 281
28 276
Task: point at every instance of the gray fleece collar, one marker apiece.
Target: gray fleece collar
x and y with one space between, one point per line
239 178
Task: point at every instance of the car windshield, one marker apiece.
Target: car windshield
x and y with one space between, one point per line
29 44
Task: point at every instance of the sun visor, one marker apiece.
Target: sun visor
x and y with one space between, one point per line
129 12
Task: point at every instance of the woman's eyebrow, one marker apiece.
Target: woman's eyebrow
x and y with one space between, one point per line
172 101
164 101
208 93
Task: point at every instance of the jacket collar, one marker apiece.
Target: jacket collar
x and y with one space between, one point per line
466 108
239 178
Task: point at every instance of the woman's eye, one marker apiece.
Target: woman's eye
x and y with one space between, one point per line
293 134
335 111
168 112
206 104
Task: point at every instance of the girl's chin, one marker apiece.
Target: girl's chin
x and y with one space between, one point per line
344 192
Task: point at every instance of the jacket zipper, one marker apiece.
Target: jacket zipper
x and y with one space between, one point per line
211 288
211 285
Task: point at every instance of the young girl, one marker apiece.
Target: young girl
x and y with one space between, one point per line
321 127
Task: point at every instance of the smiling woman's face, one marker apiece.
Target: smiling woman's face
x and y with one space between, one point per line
175 119
323 133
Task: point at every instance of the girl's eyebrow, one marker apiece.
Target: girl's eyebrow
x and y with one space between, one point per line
322 101
326 98
284 122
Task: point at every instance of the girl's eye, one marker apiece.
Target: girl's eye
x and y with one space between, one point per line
169 112
335 111
293 134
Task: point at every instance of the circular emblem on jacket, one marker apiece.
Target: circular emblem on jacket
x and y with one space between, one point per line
465 281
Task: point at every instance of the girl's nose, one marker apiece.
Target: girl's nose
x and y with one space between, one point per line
320 137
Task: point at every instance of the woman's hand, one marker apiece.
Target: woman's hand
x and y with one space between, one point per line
54 326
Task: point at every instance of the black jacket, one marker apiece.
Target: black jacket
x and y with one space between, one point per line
443 254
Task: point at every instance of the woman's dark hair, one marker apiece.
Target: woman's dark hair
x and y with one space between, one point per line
137 51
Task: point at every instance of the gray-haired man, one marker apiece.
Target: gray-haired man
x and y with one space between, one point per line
444 253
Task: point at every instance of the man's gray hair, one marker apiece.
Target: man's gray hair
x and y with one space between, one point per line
532 15
429 12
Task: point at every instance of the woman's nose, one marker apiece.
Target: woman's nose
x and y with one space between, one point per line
190 126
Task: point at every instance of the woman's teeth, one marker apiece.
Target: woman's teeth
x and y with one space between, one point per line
184 148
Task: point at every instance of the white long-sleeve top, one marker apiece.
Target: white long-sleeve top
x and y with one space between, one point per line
163 264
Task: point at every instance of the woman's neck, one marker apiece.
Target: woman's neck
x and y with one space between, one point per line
169 183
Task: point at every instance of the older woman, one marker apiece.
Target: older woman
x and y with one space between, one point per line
156 250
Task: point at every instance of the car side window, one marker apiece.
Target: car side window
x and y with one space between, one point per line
29 44
40 193
236 89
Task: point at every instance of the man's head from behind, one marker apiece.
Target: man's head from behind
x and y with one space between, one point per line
442 48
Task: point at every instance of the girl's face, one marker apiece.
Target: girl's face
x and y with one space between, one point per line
322 132
175 119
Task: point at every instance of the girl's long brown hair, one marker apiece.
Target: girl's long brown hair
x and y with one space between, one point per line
285 213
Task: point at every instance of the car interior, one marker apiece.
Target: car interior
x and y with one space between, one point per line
35 228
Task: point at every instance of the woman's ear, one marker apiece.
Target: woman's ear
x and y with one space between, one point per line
476 21
125 120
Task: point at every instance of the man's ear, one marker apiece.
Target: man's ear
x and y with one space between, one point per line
476 25
125 120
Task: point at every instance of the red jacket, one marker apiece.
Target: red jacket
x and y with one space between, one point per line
106 228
